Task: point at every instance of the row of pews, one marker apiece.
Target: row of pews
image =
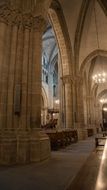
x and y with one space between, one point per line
61 139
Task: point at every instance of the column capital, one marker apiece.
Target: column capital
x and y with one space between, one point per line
89 97
78 80
16 17
67 79
39 23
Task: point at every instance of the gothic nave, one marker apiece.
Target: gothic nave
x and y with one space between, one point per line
53 94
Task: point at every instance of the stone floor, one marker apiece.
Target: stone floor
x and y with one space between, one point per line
58 173
93 175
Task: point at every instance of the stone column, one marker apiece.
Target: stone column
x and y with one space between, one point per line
23 136
18 76
2 47
11 76
24 81
33 144
80 108
61 106
92 111
67 83
40 147
3 31
8 137
4 76
97 115
36 73
91 114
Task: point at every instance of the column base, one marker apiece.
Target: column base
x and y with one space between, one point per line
39 146
8 148
23 147
82 131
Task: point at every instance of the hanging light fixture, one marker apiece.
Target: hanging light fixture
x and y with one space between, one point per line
105 109
103 100
101 76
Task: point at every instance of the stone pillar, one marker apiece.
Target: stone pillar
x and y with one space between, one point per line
67 84
36 74
11 76
4 76
21 139
82 133
97 115
91 113
40 146
3 30
33 144
61 106
23 136
2 47
8 142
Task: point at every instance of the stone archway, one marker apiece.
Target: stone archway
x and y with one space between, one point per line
91 56
55 16
92 88
44 107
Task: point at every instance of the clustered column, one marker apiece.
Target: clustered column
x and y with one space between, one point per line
79 108
67 83
79 100
20 92
37 32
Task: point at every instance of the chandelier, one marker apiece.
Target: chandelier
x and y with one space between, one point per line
99 77
105 109
103 100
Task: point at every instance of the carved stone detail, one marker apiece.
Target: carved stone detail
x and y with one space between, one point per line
78 80
27 20
67 79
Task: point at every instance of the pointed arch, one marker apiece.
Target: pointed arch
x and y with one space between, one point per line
79 30
57 19
102 93
91 56
45 98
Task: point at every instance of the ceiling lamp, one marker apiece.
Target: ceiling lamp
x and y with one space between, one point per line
103 100
57 101
101 76
105 109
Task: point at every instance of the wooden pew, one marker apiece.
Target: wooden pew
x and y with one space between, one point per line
60 139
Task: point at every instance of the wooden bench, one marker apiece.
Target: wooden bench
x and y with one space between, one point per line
98 140
60 139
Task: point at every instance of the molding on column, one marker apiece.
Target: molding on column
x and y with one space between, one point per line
67 79
89 97
78 80
39 23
